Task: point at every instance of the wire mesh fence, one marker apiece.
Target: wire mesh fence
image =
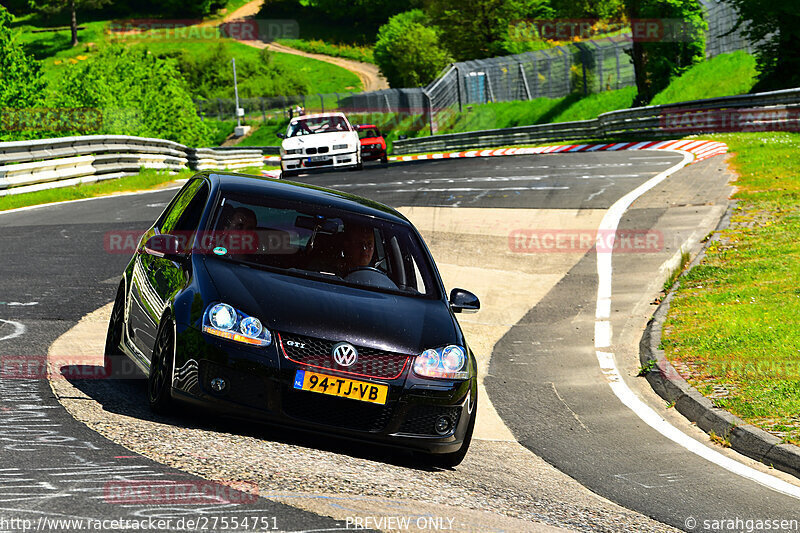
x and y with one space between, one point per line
584 67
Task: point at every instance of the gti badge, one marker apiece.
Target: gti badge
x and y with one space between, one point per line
345 354
296 344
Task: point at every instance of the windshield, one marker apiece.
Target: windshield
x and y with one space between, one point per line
367 133
309 126
315 241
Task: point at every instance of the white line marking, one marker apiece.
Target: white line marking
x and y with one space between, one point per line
609 367
602 334
19 329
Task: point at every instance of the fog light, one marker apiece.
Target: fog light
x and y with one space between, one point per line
443 425
218 384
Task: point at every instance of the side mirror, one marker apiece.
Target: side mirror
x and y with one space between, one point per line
462 301
165 246
281 135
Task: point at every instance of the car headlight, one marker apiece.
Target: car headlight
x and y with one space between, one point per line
293 151
449 362
340 147
222 320
374 146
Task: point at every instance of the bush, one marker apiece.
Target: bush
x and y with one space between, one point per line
21 82
138 93
408 51
209 74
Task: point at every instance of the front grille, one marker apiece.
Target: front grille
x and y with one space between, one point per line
336 412
421 419
311 150
317 353
323 150
244 388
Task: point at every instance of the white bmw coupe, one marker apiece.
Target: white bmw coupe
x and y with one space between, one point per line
324 140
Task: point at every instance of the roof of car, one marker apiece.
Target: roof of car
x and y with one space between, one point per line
257 185
319 115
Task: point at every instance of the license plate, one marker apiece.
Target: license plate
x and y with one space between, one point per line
318 158
343 387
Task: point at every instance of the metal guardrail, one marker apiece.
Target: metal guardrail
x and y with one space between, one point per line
27 166
771 111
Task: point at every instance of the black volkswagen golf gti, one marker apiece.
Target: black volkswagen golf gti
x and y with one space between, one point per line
295 304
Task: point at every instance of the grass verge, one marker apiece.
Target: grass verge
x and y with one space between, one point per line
722 75
318 46
146 179
734 325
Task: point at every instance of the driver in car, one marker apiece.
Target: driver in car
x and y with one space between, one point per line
358 247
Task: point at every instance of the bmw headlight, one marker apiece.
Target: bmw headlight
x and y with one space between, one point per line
449 362
222 320
293 151
340 147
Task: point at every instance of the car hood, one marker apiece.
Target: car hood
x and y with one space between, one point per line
320 139
292 304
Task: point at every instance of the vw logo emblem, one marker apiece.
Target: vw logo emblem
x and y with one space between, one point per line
345 354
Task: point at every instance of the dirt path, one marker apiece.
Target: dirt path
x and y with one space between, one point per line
370 76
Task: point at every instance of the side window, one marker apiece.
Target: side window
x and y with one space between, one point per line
171 218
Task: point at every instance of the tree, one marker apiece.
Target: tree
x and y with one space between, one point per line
774 28
51 7
657 60
408 50
138 94
476 29
21 81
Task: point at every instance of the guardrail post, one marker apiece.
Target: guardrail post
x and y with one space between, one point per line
263 109
219 104
321 102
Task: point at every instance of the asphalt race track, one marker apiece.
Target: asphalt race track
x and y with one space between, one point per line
543 379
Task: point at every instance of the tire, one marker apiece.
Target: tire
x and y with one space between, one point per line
285 174
385 161
114 360
453 459
159 382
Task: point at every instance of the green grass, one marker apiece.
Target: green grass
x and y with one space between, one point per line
55 52
265 134
146 179
323 77
735 321
723 75
318 46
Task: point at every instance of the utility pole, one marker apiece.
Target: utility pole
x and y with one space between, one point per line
236 93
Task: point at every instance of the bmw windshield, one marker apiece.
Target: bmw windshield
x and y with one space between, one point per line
308 126
315 241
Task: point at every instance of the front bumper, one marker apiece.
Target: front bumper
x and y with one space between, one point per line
260 387
300 163
373 154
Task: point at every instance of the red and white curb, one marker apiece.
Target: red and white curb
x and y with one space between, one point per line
700 149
